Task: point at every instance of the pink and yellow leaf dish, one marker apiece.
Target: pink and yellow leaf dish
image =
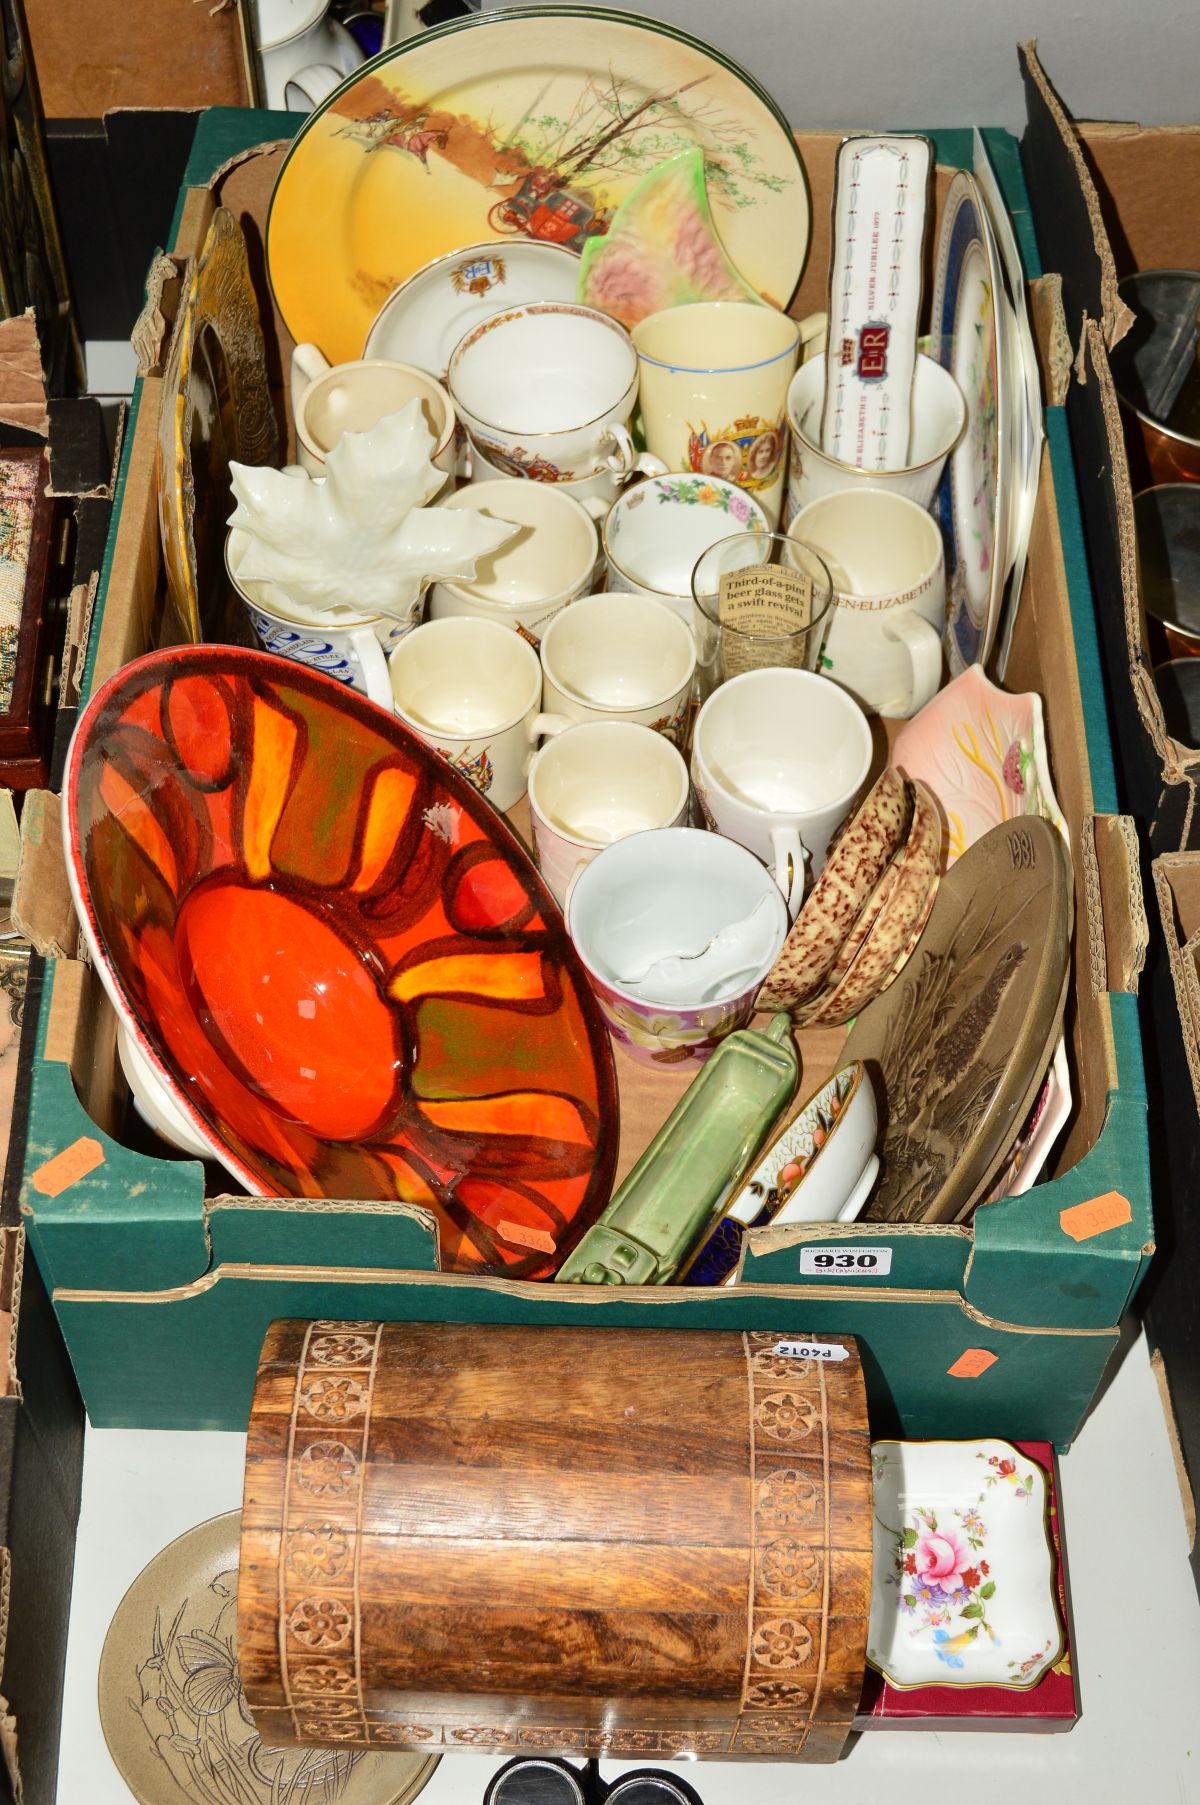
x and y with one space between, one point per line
336 958
982 752
963 1589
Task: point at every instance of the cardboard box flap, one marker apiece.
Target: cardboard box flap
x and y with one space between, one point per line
1051 337
1178 761
1125 931
1083 254
22 390
397 1236
1177 885
153 328
42 908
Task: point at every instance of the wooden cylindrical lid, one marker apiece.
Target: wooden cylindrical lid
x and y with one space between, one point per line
600 1541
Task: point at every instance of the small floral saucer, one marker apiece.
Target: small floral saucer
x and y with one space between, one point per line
963 1592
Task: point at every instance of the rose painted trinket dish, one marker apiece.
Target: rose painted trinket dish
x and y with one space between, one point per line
336 957
963 1592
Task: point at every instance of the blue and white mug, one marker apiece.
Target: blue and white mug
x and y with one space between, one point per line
353 650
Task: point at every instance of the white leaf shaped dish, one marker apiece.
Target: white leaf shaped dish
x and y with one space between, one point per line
361 537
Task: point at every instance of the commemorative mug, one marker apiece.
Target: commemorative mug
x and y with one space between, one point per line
939 414
596 783
351 648
655 533
548 563
328 400
472 690
778 757
610 658
884 553
546 391
712 387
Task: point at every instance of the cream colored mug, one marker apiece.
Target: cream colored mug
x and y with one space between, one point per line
712 387
884 554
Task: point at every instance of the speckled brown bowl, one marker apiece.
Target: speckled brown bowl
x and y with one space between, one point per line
866 848
897 928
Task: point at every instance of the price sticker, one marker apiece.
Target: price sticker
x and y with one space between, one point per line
812 1350
846 1262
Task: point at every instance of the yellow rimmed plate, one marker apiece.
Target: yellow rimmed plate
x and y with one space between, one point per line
530 123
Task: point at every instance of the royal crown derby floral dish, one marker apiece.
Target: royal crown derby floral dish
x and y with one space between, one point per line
517 126
963 1592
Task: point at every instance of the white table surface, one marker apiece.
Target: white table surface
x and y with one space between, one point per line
1137 1635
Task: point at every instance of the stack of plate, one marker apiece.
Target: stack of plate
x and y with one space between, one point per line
866 912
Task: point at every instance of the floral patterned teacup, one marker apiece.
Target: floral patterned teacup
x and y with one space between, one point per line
658 897
656 533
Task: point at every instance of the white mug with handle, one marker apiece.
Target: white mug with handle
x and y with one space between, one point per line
472 690
778 757
884 553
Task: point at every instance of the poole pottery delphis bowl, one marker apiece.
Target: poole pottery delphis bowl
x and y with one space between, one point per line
337 957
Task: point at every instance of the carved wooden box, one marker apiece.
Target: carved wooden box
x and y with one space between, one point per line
580 1540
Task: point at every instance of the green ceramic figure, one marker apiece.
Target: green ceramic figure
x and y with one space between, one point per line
680 1185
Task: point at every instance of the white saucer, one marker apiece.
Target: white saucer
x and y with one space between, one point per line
422 320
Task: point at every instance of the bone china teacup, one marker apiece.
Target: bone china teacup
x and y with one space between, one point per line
610 657
885 556
656 532
596 783
328 400
777 759
546 391
471 690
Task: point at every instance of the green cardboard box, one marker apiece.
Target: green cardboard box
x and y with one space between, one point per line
164 1292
